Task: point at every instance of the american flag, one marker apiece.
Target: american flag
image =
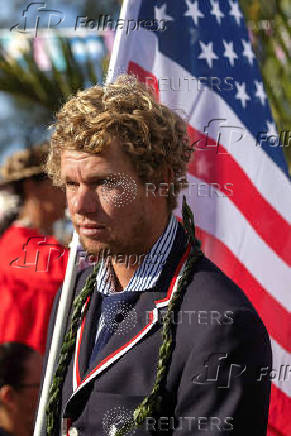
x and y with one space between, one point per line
198 57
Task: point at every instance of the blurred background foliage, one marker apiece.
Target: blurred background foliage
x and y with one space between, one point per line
42 92
269 23
27 81
31 93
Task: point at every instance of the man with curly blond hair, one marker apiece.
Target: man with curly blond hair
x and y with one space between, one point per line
159 340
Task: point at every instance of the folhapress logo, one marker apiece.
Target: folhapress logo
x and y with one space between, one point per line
38 255
35 16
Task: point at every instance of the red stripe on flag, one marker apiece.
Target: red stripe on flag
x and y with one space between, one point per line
275 317
224 173
280 409
144 77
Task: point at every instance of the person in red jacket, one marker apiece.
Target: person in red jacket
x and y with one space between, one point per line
33 263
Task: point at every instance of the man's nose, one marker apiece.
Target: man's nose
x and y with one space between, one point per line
85 201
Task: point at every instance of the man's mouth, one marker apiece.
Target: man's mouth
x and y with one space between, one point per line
91 229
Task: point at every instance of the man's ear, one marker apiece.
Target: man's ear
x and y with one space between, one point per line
6 395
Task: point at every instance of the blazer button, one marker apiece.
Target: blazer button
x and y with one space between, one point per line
119 317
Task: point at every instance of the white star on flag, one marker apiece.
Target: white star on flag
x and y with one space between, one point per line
193 11
234 11
161 13
248 51
241 93
260 92
272 130
229 52
216 11
207 53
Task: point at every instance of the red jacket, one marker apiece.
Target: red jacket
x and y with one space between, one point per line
32 268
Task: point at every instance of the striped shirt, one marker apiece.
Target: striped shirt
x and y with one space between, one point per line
147 274
145 277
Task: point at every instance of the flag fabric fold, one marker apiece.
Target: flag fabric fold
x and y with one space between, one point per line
198 58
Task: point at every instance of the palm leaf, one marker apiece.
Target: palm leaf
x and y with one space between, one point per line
24 79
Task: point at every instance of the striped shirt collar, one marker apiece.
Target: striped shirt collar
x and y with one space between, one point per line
148 273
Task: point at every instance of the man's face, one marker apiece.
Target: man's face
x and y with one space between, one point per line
108 202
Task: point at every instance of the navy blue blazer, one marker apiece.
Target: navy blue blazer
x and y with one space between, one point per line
4 433
216 383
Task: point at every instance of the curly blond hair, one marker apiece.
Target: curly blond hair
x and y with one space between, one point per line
152 135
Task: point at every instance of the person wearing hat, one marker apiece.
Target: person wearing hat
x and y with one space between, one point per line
32 261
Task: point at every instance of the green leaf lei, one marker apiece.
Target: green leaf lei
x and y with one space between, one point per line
151 405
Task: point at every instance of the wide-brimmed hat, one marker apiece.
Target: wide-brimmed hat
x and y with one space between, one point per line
24 164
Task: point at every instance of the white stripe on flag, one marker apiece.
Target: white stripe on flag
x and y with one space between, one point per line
216 214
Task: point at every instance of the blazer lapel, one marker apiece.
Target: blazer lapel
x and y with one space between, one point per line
137 323
88 334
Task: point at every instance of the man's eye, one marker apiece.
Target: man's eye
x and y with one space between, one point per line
98 183
70 184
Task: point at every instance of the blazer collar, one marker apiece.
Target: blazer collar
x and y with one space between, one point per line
139 321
